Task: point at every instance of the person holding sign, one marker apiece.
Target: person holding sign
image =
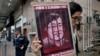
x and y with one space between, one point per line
76 11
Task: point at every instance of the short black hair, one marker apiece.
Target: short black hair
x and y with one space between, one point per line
52 16
75 7
47 17
18 29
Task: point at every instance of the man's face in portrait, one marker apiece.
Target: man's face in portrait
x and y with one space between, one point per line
55 29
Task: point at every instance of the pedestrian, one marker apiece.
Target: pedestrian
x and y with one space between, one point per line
76 11
20 42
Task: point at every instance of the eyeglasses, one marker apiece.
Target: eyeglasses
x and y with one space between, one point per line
77 18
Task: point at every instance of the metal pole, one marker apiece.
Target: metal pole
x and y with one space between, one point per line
91 20
88 26
83 35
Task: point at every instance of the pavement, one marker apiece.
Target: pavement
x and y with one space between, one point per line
10 51
93 51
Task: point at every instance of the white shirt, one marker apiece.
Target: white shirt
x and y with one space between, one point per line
18 35
74 35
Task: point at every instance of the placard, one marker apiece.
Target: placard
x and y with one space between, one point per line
54 29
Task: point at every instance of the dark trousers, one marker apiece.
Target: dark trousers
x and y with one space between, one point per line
76 46
20 52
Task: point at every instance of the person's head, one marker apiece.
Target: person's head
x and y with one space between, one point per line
25 32
17 31
76 11
54 26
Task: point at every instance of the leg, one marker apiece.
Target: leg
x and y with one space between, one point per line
17 53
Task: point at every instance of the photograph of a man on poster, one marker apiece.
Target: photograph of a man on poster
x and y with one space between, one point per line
54 30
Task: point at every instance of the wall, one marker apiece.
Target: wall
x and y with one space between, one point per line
96 5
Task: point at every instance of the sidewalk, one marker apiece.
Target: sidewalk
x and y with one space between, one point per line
95 51
11 50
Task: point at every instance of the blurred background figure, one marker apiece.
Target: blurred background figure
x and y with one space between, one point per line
20 42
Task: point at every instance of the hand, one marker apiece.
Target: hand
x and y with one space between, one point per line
22 47
36 46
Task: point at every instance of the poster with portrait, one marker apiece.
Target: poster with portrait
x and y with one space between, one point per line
54 29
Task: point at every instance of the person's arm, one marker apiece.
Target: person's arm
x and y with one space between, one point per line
36 46
26 41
